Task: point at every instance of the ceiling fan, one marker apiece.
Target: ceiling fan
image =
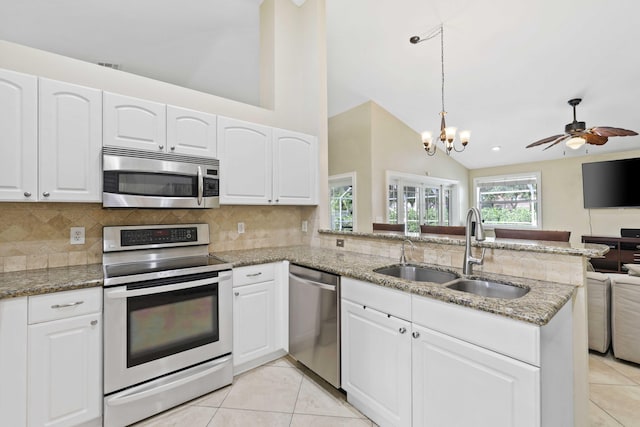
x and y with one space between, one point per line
577 134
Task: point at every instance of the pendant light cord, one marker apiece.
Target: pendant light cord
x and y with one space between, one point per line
442 61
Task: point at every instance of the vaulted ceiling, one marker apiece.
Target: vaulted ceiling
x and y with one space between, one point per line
510 68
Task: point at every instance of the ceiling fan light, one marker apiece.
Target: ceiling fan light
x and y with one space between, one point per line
576 142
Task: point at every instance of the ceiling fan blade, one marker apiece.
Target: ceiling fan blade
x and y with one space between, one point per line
545 140
594 139
557 141
609 131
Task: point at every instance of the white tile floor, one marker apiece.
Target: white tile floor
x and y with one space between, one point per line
284 394
614 388
279 394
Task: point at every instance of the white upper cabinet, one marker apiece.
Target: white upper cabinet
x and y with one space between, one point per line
134 123
295 159
260 165
70 142
191 132
246 167
50 140
18 136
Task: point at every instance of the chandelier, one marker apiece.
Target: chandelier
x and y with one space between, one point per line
447 134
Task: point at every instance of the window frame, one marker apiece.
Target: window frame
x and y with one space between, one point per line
403 179
342 179
512 177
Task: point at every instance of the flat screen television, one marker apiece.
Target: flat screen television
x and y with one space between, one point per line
611 184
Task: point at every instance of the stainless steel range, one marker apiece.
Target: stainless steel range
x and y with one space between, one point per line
167 317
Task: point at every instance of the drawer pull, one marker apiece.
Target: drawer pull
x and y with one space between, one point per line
402 330
94 322
70 304
254 274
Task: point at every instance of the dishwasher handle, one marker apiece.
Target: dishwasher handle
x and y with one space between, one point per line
321 285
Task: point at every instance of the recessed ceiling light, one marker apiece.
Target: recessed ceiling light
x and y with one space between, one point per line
496 148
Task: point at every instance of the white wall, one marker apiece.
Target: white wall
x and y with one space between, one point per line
562 201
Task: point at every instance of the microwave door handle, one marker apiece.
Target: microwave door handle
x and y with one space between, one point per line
200 185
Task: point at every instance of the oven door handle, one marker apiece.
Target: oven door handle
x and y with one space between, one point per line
122 292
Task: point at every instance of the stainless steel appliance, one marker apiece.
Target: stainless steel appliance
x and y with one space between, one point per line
146 179
167 319
314 321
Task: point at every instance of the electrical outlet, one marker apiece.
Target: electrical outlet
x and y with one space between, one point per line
240 227
340 243
76 236
305 226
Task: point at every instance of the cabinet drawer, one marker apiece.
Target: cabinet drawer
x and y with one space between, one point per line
253 274
61 305
388 301
510 337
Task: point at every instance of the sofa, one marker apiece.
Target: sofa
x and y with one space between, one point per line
613 305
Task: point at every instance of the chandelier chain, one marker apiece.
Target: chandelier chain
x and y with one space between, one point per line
442 62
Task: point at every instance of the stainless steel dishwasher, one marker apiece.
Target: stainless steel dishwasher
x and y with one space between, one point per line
314 321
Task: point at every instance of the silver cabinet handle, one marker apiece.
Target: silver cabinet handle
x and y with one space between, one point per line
173 147
415 334
160 147
254 274
269 200
277 200
46 194
402 330
27 194
70 304
94 322
236 293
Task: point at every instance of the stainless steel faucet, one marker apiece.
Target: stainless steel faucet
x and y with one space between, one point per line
403 258
469 260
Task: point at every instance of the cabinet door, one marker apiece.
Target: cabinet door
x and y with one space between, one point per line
191 132
460 384
376 364
245 151
65 371
18 136
254 321
70 142
295 164
13 361
134 123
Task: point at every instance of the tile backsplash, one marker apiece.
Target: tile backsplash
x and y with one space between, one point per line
36 235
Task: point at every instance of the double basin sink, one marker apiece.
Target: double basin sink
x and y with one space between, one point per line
485 288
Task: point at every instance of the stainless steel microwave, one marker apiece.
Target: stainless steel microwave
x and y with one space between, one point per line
146 179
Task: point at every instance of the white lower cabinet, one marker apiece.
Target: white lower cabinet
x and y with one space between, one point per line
376 368
65 358
460 384
259 324
452 365
13 361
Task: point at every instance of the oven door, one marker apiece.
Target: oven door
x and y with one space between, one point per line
156 327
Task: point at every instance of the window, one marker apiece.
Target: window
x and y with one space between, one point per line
342 202
509 200
415 200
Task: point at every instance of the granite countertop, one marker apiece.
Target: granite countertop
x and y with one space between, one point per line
538 306
589 250
47 280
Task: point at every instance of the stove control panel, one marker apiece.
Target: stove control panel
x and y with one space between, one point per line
151 236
